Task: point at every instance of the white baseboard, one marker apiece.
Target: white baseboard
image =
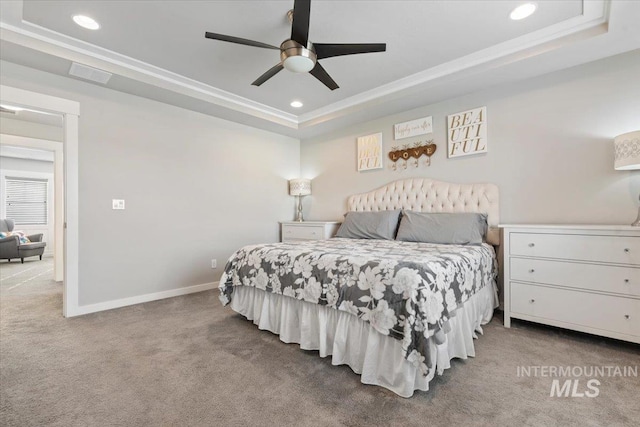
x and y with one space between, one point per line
109 305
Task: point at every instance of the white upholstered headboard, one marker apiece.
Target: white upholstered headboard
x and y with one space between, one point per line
427 195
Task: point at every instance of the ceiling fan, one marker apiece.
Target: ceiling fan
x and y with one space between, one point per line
298 54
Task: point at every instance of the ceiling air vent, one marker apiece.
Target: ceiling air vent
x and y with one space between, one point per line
89 73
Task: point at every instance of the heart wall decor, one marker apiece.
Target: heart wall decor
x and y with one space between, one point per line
410 154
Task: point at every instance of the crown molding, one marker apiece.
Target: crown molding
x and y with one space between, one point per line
42 39
593 21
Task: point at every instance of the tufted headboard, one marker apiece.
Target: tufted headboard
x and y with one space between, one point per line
427 195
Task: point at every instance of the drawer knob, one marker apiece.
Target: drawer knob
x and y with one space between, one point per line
626 280
627 250
531 245
532 271
532 300
626 316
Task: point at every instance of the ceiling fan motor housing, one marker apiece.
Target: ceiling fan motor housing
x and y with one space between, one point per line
296 57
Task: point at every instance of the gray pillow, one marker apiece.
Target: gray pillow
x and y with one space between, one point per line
445 228
369 225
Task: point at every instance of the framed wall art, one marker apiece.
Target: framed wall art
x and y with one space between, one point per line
467 133
370 152
413 128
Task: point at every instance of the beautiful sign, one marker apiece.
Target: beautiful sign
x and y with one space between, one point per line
412 128
370 152
467 132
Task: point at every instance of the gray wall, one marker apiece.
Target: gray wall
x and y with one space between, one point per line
15 164
550 148
27 129
196 188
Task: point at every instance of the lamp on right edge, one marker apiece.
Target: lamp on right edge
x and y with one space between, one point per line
627 156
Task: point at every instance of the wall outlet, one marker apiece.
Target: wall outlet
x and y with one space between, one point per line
118 204
214 263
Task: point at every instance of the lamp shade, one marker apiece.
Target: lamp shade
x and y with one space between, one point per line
299 187
627 151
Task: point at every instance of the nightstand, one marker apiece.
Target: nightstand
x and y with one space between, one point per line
580 277
307 230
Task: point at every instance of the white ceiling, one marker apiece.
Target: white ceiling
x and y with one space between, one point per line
435 50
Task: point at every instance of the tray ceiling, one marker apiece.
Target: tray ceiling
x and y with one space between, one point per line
159 46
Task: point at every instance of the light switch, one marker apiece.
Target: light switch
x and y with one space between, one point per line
118 204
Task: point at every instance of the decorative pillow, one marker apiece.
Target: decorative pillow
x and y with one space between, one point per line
445 228
369 225
3 235
23 238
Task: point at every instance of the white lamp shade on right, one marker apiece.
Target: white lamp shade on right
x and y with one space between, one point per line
299 187
627 151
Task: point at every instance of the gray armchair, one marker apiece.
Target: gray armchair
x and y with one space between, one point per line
10 247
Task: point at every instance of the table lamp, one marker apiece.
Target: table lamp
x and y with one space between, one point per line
627 156
299 188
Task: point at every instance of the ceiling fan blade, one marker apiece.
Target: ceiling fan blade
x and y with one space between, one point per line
327 50
266 76
300 25
238 40
321 74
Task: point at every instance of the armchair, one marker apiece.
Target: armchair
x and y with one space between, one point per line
10 247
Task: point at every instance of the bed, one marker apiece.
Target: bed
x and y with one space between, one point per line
396 312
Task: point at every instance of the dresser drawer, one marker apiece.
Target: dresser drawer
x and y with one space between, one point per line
302 232
597 311
606 278
613 249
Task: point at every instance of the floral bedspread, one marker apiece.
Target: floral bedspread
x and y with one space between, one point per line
403 289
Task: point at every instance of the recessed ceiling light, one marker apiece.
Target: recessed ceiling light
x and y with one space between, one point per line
296 104
86 22
523 11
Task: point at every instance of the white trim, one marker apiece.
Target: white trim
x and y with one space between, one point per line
40 101
26 153
154 296
71 217
71 110
58 180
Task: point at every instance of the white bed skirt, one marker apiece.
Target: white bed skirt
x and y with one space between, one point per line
378 358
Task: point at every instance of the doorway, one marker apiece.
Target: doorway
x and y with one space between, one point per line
65 177
31 184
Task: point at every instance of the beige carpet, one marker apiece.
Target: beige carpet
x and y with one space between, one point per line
187 361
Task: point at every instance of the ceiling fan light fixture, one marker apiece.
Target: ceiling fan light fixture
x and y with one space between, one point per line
299 64
297 58
86 22
523 11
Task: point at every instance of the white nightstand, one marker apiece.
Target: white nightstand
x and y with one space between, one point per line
307 230
580 277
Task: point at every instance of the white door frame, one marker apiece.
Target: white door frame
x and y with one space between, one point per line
58 193
71 112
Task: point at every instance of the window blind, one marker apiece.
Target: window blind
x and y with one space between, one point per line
26 200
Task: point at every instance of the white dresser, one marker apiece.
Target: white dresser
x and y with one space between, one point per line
307 230
580 277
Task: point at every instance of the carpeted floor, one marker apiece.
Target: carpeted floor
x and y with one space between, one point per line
187 361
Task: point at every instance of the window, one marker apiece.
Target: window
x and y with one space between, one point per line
26 200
